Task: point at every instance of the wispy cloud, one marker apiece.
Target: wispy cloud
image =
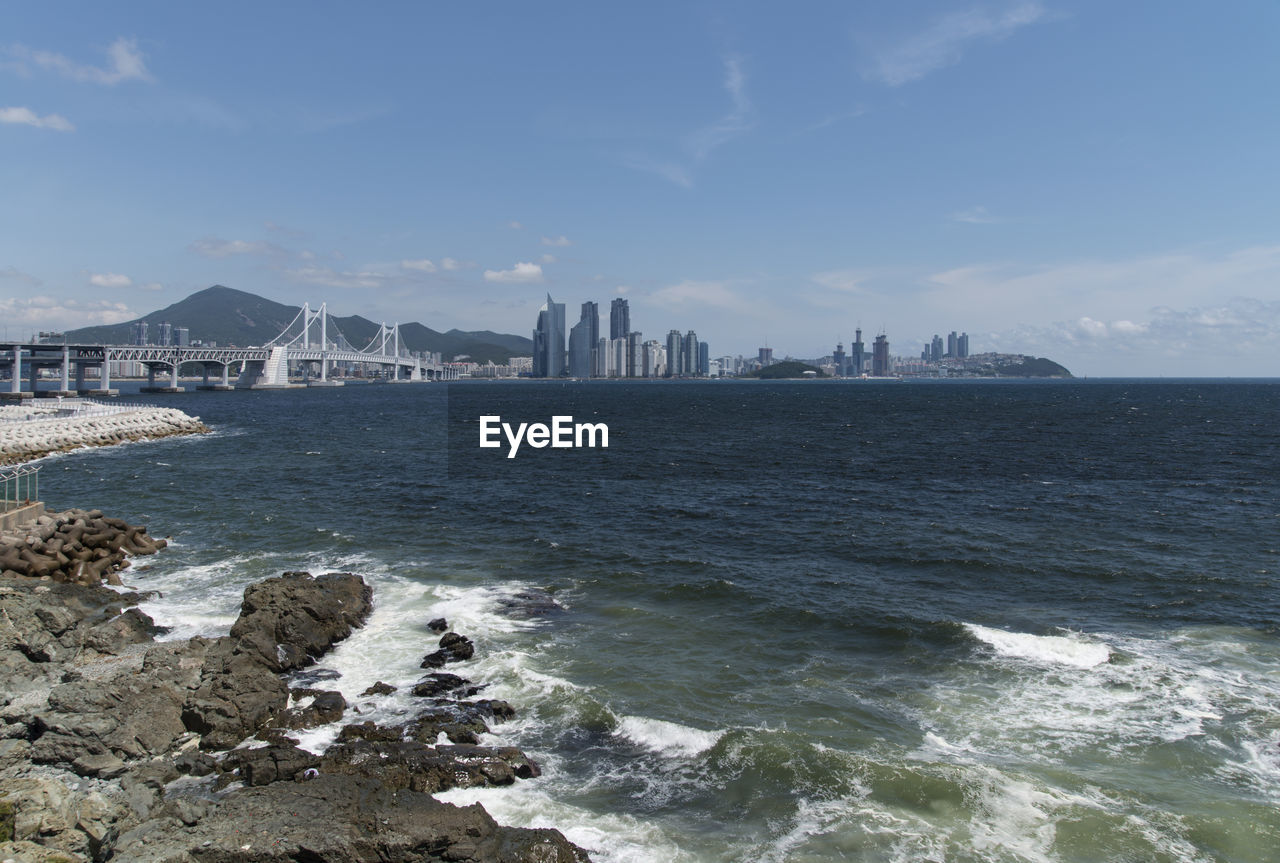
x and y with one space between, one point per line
845 281
111 281
701 143
712 294
561 240
515 226
124 63
670 171
453 264
15 275
974 216
52 313
422 265
331 278
521 272
213 247
944 42
27 117
741 116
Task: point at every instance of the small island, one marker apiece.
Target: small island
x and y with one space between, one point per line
788 370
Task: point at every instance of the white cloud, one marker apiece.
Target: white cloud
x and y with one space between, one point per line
422 265
561 240
974 216
213 247
125 63
944 42
450 264
152 286
521 272
50 313
112 281
547 259
27 117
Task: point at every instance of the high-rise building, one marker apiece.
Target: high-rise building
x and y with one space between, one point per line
619 319
591 314
689 354
674 369
858 353
704 359
166 333
766 357
182 337
880 357
580 350
140 333
548 341
935 350
953 345
617 358
838 360
635 355
652 358
962 346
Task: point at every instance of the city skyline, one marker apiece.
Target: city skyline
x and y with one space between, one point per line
1075 180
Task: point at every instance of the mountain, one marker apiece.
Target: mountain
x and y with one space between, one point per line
786 369
230 317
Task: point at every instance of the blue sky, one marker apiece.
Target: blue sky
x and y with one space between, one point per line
1091 181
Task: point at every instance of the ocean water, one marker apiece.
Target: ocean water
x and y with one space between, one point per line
944 621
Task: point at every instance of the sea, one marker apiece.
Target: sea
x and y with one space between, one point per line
780 621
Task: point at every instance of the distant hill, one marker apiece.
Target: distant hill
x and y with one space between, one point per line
784 370
231 317
1032 367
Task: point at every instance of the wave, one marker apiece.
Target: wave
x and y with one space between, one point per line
669 739
1046 649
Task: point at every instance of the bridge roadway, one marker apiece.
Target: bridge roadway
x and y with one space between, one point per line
260 368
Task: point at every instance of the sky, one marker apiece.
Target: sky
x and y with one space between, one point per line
1096 182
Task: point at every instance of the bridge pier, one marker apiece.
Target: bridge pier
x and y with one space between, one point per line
152 387
223 387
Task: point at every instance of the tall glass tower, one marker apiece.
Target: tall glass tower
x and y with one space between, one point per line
548 341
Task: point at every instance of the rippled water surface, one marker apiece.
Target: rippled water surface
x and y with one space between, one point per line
814 621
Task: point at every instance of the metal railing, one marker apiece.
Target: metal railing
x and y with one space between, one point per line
19 486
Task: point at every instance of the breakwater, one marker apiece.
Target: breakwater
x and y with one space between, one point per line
34 430
116 746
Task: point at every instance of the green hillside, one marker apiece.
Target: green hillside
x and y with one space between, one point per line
785 370
231 317
1032 367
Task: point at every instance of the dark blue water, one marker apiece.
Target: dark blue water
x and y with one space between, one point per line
948 620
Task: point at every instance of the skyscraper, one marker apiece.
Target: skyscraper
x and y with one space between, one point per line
953 344
591 314
548 341
580 365
635 355
858 352
838 360
704 359
689 354
880 357
962 346
619 319
674 368
935 353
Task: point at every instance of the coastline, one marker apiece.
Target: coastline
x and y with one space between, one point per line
115 746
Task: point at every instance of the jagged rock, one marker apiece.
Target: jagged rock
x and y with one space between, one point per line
440 683
453 648
48 811
530 603
438 625
268 764
378 688
324 707
297 617
420 767
340 819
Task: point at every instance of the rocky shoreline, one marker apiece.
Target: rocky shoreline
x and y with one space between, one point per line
28 433
114 746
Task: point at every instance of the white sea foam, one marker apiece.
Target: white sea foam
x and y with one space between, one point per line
609 838
1051 649
669 739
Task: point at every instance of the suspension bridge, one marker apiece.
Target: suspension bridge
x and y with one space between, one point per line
306 353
